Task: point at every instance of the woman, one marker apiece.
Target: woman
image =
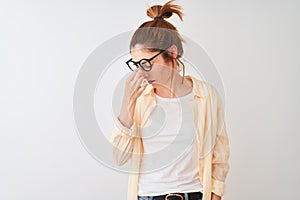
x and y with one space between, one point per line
199 173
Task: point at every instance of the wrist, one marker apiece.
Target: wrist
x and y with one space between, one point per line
215 197
125 120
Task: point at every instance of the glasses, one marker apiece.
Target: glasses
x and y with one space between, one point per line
144 63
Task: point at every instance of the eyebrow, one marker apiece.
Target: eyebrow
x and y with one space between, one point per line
148 58
135 61
139 60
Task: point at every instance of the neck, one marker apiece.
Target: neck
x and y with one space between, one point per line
173 87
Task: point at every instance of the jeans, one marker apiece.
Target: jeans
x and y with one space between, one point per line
198 197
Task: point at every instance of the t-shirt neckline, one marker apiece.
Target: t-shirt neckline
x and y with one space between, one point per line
175 98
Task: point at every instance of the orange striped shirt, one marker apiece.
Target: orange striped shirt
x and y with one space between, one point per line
212 138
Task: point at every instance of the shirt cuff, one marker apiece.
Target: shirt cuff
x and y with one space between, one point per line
218 187
124 129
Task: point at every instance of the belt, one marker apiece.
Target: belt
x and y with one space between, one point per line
179 196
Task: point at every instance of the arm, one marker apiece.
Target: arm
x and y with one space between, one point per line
221 150
123 137
220 165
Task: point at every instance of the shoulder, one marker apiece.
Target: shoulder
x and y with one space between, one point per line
204 88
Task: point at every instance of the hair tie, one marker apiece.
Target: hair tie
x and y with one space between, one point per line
158 17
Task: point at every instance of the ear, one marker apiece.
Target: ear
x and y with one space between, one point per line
172 51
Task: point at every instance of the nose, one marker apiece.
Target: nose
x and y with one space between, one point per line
143 73
146 75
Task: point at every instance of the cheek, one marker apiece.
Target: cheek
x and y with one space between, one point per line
159 68
156 71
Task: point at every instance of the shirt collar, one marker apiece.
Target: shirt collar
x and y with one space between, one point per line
196 88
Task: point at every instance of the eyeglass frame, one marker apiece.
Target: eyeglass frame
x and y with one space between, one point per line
138 63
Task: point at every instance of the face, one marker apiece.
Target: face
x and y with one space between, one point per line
160 72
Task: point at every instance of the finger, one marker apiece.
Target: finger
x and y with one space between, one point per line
133 74
136 83
139 82
132 86
137 76
140 91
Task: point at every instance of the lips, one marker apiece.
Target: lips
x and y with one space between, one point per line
151 81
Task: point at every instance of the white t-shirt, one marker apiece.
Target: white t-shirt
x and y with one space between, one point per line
170 162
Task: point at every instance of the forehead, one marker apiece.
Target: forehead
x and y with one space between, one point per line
139 48
139 51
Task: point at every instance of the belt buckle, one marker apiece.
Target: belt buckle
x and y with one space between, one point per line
173 194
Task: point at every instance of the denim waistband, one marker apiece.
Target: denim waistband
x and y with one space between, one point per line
174 196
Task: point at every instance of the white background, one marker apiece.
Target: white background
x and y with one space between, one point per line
254 44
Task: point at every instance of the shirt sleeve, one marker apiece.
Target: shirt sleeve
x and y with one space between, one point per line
221 149
122 139
220 165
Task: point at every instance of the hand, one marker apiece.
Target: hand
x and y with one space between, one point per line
215 197
133 90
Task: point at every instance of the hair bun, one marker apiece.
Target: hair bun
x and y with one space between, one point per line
154 11
164 11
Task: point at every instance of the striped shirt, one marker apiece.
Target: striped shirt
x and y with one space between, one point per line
211 131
